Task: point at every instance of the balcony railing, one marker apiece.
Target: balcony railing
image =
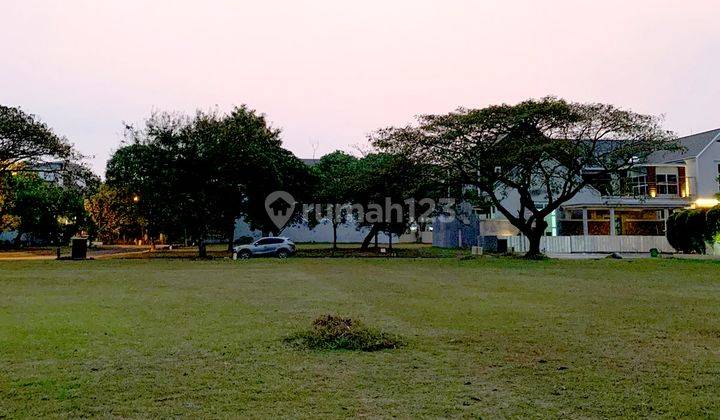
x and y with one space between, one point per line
684 188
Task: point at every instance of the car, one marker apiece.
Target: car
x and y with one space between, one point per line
268 246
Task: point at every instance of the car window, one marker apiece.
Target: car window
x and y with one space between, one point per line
276 241
263 242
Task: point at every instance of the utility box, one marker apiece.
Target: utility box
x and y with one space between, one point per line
79 249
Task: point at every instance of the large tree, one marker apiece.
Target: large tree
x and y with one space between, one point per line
200 173
26 140
285 173
114 213
538 149
147 173
42 211
26 144
391 188
335 174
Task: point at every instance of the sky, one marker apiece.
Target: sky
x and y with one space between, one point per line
329 72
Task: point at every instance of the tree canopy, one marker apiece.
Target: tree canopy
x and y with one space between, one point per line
41 211
114 215
395 185
25 139
335 178
539 149
198 174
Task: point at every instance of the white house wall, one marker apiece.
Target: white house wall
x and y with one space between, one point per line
707 171
587 195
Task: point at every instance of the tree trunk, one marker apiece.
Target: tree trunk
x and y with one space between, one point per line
202 249
389 240
18 239
335 226
534 235
231 236
366 242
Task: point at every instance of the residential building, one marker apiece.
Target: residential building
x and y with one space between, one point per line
647 195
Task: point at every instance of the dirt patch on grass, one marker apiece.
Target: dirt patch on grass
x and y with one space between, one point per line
332 332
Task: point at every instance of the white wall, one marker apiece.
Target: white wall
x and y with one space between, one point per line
587 195
706 171
347 233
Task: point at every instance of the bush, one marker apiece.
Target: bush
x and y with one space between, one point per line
688 230
672 232
712 224
332 332
695 230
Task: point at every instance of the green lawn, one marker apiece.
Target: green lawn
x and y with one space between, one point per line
493 338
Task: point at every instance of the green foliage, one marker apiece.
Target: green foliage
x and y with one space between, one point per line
712 224
44 211
695 229
25 139
196 175
114 215
333 332
145 168
689 230
334 177
382 176
537 145
672 233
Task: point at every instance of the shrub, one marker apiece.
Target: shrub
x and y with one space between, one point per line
672 232
687 230
695 228
712 224
332 332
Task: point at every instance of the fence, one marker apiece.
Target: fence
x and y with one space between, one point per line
593 243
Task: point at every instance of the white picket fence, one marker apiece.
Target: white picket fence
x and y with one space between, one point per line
593 243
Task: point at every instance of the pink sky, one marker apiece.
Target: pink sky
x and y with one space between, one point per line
332 71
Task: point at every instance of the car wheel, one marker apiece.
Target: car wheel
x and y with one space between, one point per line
282 254
244 254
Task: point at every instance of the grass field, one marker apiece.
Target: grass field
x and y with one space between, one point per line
492 337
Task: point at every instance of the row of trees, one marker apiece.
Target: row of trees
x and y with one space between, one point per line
372 182
188 177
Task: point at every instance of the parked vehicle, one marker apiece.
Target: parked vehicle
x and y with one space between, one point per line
269 246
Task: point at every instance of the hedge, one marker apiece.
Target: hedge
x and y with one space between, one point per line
689 230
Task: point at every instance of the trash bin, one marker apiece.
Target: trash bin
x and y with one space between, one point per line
79 248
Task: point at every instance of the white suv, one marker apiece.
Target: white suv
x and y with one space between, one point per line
274 246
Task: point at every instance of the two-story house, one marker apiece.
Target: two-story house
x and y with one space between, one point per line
636 203
648 194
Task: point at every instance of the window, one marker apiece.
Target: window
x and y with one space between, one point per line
638 183
667 184
265 241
